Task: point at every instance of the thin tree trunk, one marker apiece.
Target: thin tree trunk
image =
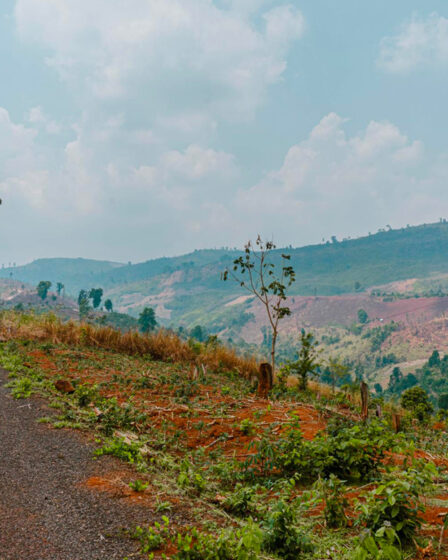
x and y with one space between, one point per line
364 400
274 341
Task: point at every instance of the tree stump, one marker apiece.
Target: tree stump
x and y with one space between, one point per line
396 422
364 400
265 380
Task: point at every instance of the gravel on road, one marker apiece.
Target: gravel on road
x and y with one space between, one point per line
46 513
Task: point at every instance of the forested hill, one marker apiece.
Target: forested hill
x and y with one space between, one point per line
326 269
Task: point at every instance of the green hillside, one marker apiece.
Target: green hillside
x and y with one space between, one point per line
71 272
191 284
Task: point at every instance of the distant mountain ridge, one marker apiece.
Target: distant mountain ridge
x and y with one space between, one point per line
70 272
188 289
327 268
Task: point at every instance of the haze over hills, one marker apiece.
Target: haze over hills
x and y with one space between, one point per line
327 269
187 290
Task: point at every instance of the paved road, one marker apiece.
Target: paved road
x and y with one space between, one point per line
45 512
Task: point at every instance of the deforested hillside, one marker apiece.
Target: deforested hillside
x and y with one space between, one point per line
179 442
329 268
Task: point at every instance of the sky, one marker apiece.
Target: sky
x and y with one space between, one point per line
146 128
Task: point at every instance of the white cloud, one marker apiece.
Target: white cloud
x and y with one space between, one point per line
17 147
175 56
36 116
420 42
332 180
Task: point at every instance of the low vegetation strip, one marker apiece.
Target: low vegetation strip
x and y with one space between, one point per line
161 345
223 474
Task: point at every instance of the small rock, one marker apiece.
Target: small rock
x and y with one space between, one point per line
64 385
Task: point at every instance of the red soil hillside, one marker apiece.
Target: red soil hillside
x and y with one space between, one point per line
343 310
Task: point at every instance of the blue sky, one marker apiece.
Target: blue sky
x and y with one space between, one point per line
147 128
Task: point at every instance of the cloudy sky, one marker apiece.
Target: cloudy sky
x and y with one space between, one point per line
141 128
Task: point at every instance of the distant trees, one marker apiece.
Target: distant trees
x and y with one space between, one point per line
268 283
42 289
199 333
378 388
147 320
362 316
59 288
337 371
108 305
83 304
399 382
95 295
434 359
443 401
416 400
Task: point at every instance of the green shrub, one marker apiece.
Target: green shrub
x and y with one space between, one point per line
396 503
118 447
231 544
384 544
359 451
86 394
350 452
416 400
331 491
281 535
241 501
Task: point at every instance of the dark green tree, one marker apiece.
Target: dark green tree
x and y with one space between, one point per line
434 359
95 295
198 333
378 388
147 320
307 363
362 316
337 371
255 272
42 289
443 401
395 380
108 305
416 400
83 304
59 287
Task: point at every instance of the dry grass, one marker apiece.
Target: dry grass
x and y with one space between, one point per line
162 345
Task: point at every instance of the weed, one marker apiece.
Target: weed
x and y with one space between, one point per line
241 501
138 485
247 427
21 388
190 479
152 538
332 492
163 506
118 447
237 544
